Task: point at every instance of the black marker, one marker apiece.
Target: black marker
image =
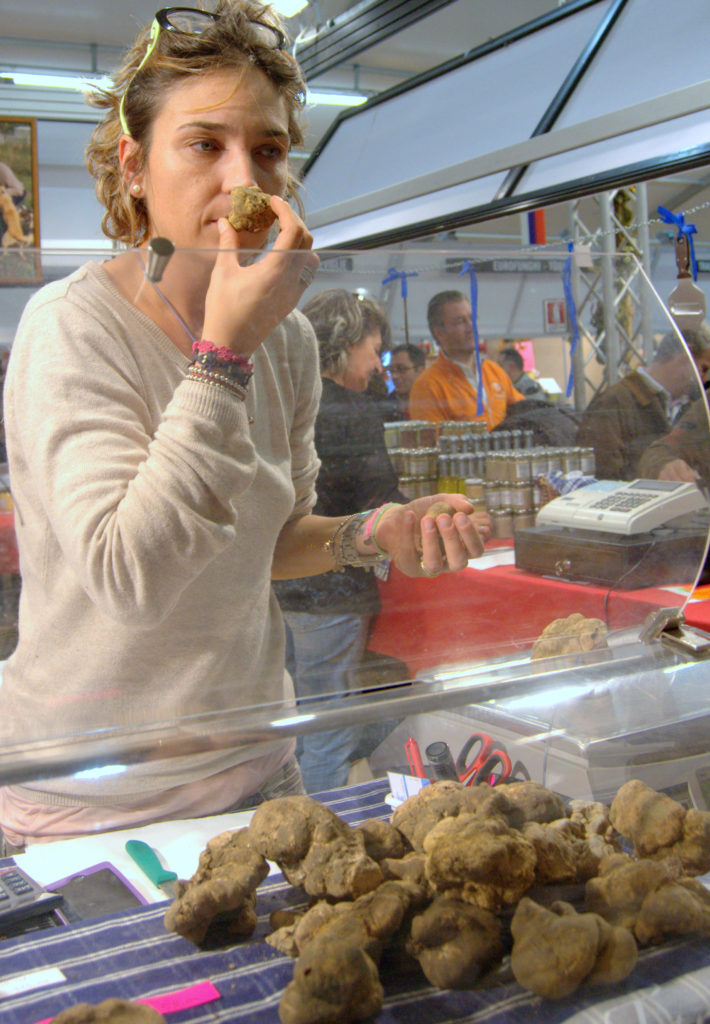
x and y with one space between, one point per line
441 761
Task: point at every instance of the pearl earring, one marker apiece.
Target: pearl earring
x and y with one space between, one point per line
135 188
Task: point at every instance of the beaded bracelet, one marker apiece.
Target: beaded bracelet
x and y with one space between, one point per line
237 368
371 526
203 376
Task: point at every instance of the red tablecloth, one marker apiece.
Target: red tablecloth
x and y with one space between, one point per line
476 614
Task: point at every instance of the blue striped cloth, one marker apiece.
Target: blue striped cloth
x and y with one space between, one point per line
130 955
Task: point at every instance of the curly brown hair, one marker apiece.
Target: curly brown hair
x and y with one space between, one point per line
340 320
231 42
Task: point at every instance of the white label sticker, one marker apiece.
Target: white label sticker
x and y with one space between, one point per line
32 980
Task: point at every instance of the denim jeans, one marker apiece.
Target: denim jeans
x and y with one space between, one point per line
320 652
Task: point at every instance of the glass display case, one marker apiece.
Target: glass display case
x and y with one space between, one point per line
614 689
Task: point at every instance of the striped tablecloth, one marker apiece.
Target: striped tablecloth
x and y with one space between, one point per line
130 955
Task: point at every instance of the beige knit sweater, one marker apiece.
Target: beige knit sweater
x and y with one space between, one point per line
147 508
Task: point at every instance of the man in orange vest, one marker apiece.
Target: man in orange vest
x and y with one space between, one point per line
448 389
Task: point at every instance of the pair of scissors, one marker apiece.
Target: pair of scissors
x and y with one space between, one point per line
480 760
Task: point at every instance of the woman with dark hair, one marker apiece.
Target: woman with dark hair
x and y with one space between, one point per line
160 444
328 617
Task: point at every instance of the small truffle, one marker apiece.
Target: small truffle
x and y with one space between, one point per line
440 508
110 1011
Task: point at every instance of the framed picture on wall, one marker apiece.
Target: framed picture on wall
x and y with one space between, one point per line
19 207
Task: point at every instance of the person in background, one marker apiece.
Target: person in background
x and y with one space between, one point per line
328 617
684 453
448 388
160 446
406 363
621 422
512 362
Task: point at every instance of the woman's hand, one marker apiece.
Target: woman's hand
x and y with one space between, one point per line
245 303
426 545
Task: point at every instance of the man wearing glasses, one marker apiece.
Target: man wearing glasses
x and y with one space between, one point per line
406 363
448 389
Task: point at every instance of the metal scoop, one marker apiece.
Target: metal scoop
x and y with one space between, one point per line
686 302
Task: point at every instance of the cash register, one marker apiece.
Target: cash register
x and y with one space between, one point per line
622 535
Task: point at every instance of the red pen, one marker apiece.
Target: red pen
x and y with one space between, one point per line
415 758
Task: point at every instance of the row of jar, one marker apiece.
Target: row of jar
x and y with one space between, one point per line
482 444
537 462
411 434
454 436
505 520
508 465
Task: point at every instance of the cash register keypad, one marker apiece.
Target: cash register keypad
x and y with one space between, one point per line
622 502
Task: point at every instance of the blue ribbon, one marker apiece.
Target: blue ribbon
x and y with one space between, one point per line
468 268
571 314
668 217
393 275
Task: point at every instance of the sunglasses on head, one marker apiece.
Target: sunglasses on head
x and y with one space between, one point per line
193 22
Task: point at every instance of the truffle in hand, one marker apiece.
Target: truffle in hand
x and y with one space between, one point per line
251 210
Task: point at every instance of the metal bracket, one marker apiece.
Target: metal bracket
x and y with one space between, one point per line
159 252
669 626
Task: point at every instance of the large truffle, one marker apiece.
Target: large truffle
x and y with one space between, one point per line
314 848
222 890
251 209
455 942
479 860
555 950
572 635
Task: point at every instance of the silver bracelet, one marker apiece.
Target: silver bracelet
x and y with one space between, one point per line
347 549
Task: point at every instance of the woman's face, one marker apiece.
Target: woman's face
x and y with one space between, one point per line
363 362
214 132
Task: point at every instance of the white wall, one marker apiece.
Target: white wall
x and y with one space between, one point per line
69 213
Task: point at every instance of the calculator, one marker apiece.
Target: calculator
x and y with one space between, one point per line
21 897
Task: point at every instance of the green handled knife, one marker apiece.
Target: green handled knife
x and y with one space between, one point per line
148 861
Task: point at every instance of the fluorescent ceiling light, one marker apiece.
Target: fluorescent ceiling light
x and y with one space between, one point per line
76 83
318 97
80 83
287 8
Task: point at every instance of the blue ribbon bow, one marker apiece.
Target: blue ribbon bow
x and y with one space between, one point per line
468 268
668 217
571 314
394 274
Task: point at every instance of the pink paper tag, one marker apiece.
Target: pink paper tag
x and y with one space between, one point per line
184 998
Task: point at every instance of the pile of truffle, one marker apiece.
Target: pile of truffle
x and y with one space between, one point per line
459 879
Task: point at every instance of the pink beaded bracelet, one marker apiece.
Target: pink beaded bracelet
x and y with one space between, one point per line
222 354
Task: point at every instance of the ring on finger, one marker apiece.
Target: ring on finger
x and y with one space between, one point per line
307 276
428 572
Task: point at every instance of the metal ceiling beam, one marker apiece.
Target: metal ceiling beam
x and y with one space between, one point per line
672 105
566 90
363 26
